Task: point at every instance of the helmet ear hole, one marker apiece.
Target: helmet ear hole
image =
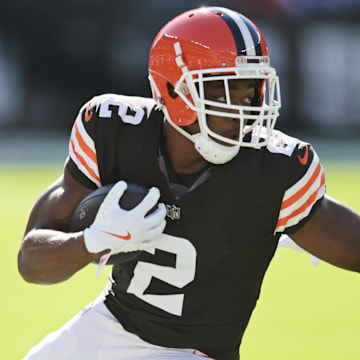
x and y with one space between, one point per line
171 91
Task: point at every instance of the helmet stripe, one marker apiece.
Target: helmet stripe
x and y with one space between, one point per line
244 34
255 34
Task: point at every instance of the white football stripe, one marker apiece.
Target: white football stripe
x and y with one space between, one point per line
248 40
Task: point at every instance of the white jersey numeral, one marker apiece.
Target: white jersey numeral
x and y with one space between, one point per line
179 276
135 118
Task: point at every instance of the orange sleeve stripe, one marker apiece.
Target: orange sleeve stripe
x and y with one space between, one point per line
84 147
294 198
84 163
282 222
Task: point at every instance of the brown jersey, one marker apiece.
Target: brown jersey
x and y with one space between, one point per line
198 287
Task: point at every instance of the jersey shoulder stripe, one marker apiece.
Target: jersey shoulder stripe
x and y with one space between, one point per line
82 152
299 199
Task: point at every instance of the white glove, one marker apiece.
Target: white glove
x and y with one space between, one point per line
125 230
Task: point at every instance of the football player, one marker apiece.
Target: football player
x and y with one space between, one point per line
227 185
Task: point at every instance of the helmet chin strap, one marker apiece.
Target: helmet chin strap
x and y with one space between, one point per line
212 151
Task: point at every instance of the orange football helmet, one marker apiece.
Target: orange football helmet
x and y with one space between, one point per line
212 44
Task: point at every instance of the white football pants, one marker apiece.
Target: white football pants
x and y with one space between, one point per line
95 334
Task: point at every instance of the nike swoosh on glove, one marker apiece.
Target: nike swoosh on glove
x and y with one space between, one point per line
121 230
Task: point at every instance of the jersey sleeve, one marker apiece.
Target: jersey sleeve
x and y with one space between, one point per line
304 193
83 162
109 135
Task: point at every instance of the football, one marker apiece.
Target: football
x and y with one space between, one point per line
87 209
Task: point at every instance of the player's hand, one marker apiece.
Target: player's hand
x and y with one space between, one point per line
122 230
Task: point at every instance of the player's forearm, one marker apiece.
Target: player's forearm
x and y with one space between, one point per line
48 256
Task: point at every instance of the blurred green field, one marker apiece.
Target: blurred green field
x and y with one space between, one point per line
305 312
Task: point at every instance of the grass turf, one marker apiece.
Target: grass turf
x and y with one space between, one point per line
304 312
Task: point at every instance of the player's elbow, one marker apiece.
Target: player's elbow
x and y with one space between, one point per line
24 269
32 273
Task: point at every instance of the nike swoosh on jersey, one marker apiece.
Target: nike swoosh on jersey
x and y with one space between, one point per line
122 237
304 159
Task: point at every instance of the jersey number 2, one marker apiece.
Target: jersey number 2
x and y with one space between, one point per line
179 276
135 117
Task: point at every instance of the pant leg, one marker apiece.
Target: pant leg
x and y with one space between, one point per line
95 334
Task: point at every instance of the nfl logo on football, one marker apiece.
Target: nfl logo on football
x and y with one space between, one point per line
173 212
